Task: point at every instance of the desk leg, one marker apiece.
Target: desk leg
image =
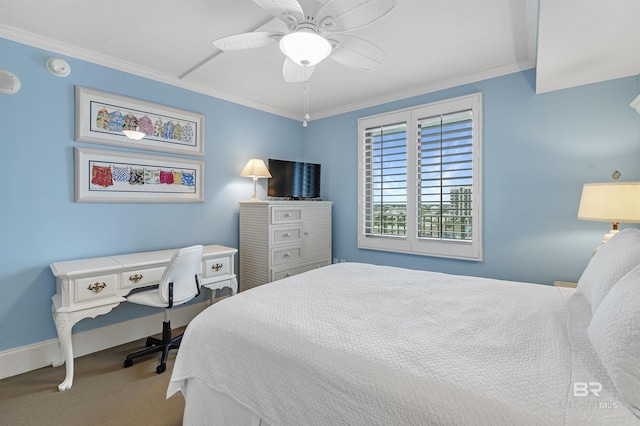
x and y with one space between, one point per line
64 323
232 283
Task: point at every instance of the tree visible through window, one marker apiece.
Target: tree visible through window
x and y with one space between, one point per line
419 180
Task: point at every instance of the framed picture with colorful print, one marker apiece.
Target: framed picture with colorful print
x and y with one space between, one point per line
103 176
103 117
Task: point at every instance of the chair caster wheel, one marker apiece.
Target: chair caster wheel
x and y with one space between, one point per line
128 363
160 369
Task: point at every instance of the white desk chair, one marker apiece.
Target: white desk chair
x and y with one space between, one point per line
178 285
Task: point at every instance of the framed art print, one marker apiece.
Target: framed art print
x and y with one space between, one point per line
101 118
103 176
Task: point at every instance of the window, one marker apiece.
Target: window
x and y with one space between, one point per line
419 180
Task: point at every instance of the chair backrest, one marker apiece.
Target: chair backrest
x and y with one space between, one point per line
182 271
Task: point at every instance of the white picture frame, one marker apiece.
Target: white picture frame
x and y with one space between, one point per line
101 117
105 176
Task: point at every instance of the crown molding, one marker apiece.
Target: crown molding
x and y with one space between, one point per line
69 50
34 40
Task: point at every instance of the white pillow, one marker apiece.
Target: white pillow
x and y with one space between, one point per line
614 332
615 258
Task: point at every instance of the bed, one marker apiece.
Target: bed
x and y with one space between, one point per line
359 344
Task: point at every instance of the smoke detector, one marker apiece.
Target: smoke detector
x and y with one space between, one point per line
58 67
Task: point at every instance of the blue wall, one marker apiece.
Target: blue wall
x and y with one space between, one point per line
538 151
39 221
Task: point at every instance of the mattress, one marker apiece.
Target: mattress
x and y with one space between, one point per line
358 344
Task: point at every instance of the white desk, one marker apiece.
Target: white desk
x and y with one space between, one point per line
87 288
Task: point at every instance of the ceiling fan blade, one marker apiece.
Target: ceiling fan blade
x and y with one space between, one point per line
247 40
356 53
294 73
283 9
345 15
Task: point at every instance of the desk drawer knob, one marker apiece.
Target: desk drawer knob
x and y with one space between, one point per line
96 287
216 267
135 278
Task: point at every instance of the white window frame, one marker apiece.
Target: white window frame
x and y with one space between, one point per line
410 243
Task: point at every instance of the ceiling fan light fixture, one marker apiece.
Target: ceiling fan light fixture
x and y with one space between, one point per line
305 47
134 134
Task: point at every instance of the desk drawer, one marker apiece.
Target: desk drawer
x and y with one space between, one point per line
97 287
141 277
284 255
216 267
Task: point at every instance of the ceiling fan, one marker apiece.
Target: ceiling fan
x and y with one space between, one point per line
314 35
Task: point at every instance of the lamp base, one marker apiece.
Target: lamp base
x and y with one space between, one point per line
606 237
254 197
614 231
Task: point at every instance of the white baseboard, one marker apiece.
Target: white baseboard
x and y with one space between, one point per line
31 357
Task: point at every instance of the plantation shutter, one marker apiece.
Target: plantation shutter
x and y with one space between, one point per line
420 179
445 176
385 180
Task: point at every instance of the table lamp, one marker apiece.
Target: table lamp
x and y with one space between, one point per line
255 169
615 202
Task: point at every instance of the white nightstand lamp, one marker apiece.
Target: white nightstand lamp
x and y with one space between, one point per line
615 202
255 169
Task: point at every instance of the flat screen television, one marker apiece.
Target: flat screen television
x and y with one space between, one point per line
293 180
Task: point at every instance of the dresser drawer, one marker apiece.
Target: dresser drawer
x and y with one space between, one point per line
280 274
141 277
289 234
216 267
280 256
97 287
282 215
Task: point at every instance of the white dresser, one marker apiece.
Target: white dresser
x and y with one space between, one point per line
282 238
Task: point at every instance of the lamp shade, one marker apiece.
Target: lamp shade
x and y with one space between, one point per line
255 168
305 47
610 202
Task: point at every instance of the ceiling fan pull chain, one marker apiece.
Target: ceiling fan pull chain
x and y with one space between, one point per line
306 104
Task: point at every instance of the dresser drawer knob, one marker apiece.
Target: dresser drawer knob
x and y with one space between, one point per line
135 278
286 235
216 267
96 287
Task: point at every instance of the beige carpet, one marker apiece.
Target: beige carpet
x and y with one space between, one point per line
103 393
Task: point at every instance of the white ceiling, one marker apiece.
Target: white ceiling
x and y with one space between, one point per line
430 45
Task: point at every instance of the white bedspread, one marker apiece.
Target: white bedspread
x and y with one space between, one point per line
356 344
